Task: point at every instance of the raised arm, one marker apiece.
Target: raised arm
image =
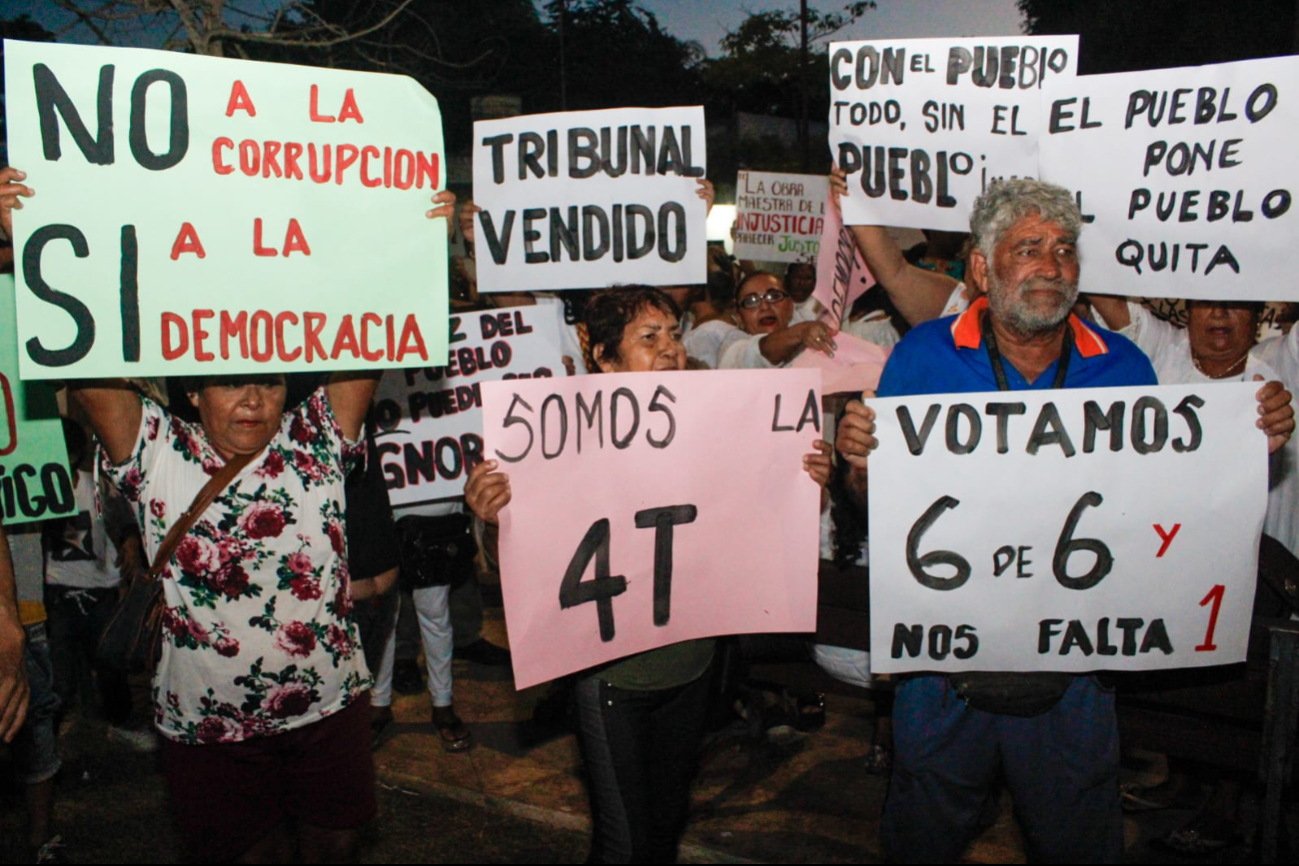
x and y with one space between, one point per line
918 294
113 407
349 396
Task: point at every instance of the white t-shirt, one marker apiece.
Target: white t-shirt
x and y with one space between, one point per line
744 353
875 328
78 552
569 343
706 342
852 666
808 311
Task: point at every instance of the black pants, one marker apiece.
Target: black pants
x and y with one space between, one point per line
76 620
374 621
641 750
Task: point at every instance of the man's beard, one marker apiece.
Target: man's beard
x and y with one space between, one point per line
1013 309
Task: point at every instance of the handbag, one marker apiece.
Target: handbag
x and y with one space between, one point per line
436 551
132 639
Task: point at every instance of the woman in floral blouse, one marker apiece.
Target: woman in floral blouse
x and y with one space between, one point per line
261 693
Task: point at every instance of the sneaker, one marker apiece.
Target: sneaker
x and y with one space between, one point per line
53 851
139 741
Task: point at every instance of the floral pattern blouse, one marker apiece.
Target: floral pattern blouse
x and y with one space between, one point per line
256 634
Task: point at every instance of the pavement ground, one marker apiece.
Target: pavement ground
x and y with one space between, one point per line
806 799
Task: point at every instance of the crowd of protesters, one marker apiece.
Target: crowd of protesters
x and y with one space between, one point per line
282 647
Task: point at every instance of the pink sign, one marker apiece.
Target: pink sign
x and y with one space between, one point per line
652 508
855 367
841 273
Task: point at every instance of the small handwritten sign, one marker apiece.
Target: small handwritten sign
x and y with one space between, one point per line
779 217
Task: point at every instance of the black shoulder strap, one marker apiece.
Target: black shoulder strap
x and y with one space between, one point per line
999 369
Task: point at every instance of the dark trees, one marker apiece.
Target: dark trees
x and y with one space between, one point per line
1121 36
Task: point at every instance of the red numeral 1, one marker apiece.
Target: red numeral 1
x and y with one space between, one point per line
1215 596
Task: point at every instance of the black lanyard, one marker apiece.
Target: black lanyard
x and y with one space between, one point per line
994 355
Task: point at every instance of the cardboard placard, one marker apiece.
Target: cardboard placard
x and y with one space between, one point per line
1070 530
429 421
779 217
1188 173
922 125
34 480
841 273
587 199
197 215
855 367
653 508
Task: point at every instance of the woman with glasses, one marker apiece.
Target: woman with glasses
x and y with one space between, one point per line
763 310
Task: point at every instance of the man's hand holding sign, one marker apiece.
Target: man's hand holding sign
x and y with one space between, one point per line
1035 553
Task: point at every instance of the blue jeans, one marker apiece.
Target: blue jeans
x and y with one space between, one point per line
640 749
35 749
1061 768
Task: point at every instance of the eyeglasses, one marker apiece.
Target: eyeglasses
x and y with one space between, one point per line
773 297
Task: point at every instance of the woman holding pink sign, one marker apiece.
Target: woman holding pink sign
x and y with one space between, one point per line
641 718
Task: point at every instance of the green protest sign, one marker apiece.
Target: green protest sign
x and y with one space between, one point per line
196 215
34 479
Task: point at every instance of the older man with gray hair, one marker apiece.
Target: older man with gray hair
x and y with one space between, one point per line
1052 737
